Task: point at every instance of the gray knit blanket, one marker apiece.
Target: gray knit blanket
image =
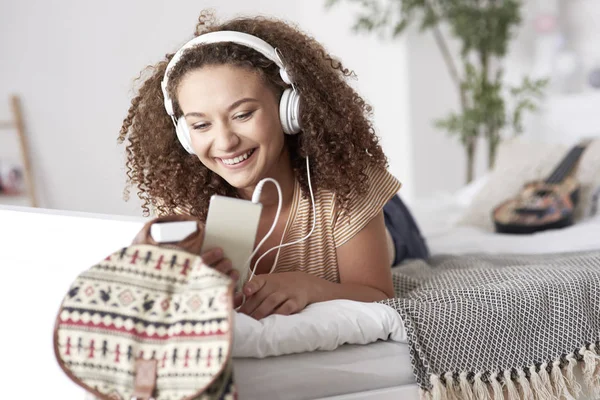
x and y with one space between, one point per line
502 326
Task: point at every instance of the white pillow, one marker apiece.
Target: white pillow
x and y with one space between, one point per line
320 326
467 193
520 161
440 213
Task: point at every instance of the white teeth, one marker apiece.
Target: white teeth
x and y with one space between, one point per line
237 160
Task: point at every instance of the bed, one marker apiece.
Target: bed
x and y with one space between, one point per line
39 275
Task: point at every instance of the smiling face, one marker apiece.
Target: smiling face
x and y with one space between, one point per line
233 118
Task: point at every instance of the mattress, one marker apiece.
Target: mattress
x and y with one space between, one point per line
348 369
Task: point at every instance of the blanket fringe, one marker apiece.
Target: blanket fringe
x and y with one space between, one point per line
438 391
452 392
513 393
525 386
466 390
545 377
496 387
572 383
424 395
537 384
591 377
546 381
560 383
479 388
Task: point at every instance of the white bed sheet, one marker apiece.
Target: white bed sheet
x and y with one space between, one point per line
464 239
348 369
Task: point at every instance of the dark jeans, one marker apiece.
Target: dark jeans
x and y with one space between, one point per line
407 238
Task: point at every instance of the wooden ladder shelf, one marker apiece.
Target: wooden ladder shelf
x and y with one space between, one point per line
18 124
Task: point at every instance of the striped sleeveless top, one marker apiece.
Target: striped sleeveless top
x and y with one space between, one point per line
317 254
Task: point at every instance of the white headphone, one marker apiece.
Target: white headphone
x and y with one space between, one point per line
289 105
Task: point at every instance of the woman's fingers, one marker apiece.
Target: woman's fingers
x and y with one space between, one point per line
238 299
214 259
212 256
234 275
255 298
224 266
287 308
266 308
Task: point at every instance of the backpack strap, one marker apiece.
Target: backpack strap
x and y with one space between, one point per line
192 243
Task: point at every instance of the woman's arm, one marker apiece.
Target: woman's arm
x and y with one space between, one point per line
365 275
364 266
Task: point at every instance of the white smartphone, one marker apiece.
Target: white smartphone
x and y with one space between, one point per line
232 224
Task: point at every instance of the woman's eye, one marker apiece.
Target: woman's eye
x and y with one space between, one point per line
200 126
244 116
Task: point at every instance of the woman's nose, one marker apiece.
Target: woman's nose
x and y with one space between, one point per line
226 139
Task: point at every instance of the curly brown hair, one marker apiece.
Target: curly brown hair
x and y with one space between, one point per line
336 130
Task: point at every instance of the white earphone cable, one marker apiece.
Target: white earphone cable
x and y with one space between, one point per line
312 198
255 199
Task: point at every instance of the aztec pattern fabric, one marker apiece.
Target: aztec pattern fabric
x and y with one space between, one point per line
485 326
158 304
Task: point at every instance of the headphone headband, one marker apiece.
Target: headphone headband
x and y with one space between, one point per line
217 37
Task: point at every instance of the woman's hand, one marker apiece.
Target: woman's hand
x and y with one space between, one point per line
214 258
283 293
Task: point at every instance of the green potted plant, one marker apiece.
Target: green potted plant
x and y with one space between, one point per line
484 29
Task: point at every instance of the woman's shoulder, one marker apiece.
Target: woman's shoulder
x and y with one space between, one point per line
380 175
363 205
380 184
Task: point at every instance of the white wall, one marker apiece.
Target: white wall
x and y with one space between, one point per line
73 63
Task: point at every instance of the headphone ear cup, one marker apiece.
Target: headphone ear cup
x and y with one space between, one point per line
289 111
183 134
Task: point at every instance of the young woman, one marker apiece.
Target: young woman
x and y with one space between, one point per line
248 110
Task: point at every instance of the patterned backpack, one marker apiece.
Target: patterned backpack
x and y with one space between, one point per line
151 321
